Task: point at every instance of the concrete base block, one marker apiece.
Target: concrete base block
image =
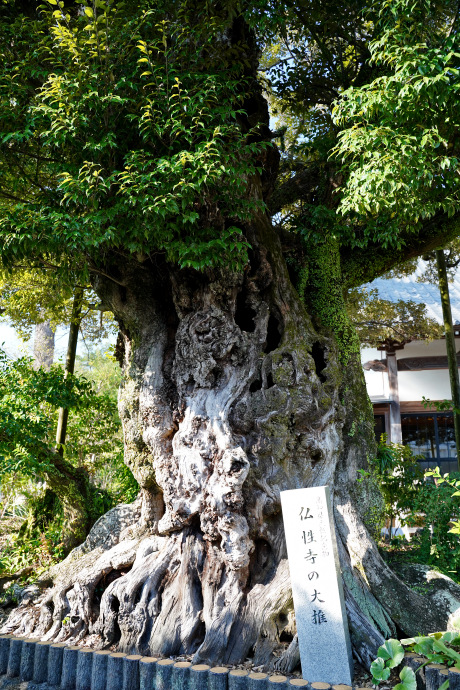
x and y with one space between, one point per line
180 677
55 655
35 665
164 674
218 678
26 670
131 672
432 676
14 658
199 677
257 681
69 668
147 672
115 671
99 670
454 678
41 662
238 679
4 653
84 668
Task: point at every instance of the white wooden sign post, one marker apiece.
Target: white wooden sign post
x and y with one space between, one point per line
322 628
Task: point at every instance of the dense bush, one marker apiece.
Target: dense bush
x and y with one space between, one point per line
428 501
29 402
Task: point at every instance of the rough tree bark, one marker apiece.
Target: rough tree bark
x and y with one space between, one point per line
234 388
43 345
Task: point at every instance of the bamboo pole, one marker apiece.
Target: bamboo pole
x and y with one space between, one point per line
450 344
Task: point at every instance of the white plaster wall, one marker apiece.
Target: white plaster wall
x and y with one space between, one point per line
368 353
433 384
413 385
423 348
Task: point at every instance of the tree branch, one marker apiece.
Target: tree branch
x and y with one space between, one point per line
293 188
361 266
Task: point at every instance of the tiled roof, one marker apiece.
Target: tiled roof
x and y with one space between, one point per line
408 288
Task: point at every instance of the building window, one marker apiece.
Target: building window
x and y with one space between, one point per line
379 426
432 436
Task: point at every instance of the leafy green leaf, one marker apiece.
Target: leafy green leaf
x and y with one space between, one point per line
379 670
408 680
391 652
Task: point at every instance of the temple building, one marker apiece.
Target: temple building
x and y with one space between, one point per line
398 377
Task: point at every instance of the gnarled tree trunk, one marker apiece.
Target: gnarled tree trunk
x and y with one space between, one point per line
234 389
232 392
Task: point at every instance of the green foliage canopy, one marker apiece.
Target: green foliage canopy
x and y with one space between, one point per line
34 295
399 138
123 128
378 320
131 130
29 399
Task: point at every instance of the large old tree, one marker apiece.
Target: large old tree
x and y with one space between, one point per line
136 151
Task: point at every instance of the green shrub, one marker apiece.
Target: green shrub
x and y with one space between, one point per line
398 476
436 648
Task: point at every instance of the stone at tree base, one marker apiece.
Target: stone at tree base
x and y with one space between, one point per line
237 679
131 672
180 675
115 670
84 668
317 590
147 673
199 677
26 670
454 678
164 674
277 681
4 653
14 658
41 662
432 676
409 659
443 592
55 656
257 681
218 678
443 676
99 670
415 663
69 667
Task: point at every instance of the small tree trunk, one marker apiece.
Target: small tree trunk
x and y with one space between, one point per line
69 484
43 345
69 364
450 345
